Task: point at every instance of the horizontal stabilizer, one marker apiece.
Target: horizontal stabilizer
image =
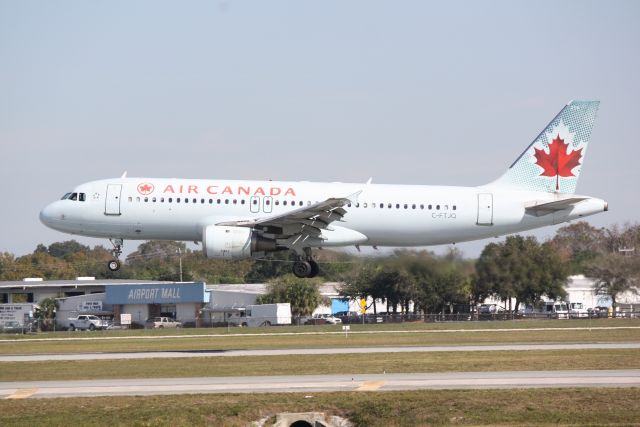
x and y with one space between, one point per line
540 208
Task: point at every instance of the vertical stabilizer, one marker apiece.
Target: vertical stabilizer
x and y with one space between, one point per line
553 161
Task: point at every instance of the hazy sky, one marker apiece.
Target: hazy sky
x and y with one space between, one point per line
401 91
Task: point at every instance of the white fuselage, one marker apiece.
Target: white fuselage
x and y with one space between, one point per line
380 215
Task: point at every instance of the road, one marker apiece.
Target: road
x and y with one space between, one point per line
314 351
322 383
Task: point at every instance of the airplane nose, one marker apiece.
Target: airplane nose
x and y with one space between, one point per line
49 214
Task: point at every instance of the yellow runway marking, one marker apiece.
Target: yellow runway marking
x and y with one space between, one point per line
23 393
370 385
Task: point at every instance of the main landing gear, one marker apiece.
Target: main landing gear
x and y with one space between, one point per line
305 266
114 264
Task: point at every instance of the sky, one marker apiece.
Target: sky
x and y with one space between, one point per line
405 92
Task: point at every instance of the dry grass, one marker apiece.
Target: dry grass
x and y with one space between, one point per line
411 408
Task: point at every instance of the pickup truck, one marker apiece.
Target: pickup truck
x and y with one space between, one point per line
85 322
162 322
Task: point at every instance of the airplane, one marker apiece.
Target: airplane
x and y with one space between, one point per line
241 219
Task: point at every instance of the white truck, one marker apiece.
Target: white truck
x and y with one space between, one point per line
577 311
84 322
556 309
263 315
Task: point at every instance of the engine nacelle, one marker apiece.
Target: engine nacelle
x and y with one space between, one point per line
223 242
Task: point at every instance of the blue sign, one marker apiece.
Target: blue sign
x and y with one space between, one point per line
160 293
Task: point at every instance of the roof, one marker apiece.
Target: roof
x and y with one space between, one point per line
21 284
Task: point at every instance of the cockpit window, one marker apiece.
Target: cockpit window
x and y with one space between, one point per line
74 196
81 197
66 196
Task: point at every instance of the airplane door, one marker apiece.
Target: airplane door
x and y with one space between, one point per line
254 204
485 209
112 201
267 202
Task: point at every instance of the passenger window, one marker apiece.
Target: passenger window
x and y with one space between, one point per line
210 201
437 207
226 201
242 202
186 200
277 202
195 200
218 201
301 203
349 205
161 199
201 200
381 205
430 207
364 205
413 206
357 205
421 206
130 199
170 199
267 202
284 203
406 206
255 201
397 205
138 199
235 201
153 200
454 207
146 199
178 200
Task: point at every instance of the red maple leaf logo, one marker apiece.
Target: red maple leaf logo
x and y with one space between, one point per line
559 162
145 188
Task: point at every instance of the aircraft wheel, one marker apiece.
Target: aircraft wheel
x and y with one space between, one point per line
301 269
315 269
114 265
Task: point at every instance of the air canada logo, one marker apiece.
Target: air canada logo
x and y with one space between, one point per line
145 188
558 162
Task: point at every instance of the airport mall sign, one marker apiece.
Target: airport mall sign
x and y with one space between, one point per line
169 293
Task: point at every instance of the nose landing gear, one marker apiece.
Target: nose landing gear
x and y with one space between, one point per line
114 264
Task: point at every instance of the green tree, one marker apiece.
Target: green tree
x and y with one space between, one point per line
303 294
614 275
46 313
522 269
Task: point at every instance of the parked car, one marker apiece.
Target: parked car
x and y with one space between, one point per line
162 322
12 327
328 318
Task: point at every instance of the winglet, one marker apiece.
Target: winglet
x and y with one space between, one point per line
369 180
124 175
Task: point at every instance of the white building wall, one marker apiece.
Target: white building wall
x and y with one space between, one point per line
186 312
139 312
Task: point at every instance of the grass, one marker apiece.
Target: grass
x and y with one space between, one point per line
403 334
269 340
429 407
322 365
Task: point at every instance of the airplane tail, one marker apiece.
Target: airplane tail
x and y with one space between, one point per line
552 162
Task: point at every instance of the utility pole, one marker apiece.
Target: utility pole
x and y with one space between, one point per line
180 260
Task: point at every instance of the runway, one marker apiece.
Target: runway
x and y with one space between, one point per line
322 383
314 351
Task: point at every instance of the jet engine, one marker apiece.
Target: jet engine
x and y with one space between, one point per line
223 242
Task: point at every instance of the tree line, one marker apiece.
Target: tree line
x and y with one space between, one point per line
519 269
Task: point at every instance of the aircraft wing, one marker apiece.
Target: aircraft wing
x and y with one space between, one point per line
538 208
302 223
